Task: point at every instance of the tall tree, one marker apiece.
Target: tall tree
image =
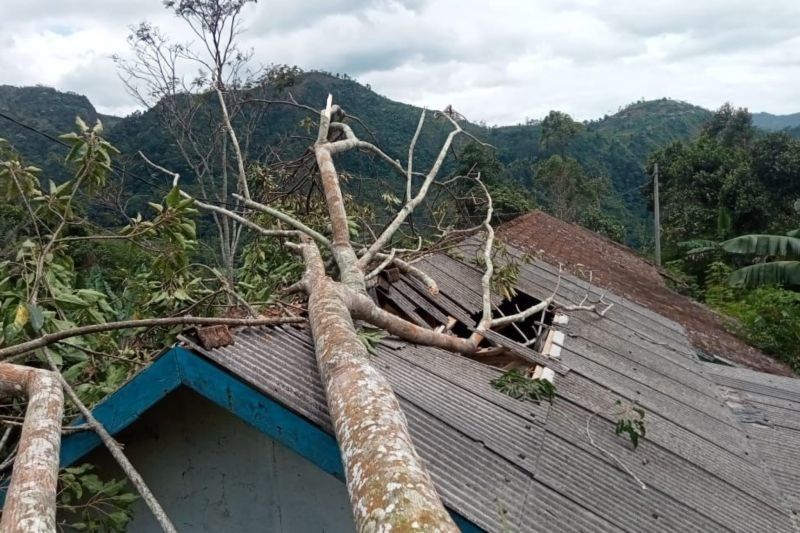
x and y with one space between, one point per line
199 110
558 129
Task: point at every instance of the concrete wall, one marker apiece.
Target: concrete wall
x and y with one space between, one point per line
212 472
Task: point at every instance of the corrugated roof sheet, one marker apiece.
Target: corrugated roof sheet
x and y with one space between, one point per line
768 407
504 463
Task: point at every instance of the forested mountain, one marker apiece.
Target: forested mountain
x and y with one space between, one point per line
614 146
770 122
47 110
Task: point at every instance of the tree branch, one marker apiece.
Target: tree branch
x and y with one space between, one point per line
30 504
410 205
411 147
286 218
352 142
383 265
486 279
341 247
50 338
234 140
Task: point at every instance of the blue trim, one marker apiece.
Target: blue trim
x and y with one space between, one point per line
126 405
261 412
463 524
180 366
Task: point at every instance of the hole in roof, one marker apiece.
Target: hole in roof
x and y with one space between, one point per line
438 312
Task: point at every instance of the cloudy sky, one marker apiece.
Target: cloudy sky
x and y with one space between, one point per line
493 60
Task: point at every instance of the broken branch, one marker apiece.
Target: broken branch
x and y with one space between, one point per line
50 338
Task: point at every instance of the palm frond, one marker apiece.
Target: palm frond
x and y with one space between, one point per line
699 246
764 245
783 273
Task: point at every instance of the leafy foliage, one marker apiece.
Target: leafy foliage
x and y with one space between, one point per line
519 386
766 317
91 504
370 337
780 245
558 129
728 181
61 270
631 424
782 273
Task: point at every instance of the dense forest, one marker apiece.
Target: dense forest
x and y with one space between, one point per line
730 199
611 152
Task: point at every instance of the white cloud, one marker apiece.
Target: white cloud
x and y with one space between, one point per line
499 61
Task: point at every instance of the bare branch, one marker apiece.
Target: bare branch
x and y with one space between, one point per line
486 279
243 221
280 215
175 176
411 147
408 208
226 119
50 338
382 266
352 142
519 317
414 272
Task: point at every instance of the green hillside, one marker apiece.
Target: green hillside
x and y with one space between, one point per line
770 122
614 146
45 109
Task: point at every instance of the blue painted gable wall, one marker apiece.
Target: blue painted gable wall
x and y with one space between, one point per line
181 367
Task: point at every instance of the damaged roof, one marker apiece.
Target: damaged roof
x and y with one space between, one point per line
619 269
507 464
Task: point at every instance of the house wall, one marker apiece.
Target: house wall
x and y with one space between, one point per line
213 472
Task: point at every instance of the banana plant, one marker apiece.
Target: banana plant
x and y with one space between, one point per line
785 271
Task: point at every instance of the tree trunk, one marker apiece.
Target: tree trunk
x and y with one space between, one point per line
31 498
388 485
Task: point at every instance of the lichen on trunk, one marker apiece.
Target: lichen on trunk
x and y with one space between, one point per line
31 498
389 487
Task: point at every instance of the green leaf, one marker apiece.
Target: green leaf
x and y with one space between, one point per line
174 197
36 317
66 298
119 518
92 483
764 245
786 273
92 293
127 497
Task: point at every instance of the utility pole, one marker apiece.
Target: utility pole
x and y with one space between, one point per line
657 215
